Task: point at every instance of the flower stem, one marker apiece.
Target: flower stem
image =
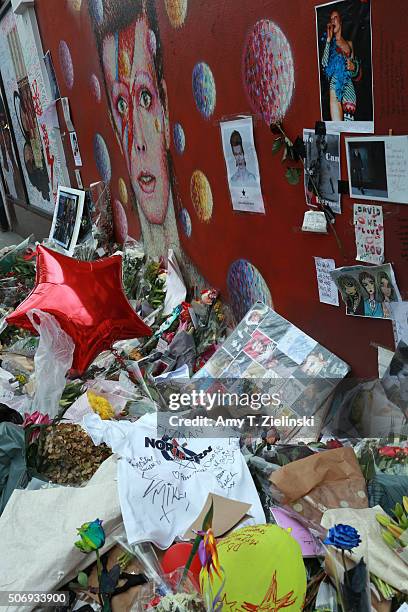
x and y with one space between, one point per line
99 573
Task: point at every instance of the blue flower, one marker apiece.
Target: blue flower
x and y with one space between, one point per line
343 537
92 536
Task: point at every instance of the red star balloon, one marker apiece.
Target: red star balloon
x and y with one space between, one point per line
88 301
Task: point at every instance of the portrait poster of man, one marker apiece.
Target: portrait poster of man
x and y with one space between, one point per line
67 219
242 165
344 47
367 291
322 169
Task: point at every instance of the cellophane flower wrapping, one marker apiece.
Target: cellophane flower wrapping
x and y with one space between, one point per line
183 595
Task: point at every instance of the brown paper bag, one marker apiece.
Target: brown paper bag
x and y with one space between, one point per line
326 480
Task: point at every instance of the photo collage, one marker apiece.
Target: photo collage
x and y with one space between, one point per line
267 354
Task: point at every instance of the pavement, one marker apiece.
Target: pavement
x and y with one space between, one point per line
9 238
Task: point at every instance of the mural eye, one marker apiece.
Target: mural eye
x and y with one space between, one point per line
122 106
145 99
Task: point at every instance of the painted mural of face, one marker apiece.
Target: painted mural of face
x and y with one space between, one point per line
140 117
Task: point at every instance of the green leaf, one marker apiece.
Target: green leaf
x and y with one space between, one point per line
82 579
207 522
292 175
277 145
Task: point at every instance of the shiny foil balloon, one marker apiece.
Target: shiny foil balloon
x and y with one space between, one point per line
88 301
263 569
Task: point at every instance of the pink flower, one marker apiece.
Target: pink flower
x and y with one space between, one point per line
389 451
36 418
331 444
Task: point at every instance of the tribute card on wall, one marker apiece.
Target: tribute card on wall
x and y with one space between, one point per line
369 230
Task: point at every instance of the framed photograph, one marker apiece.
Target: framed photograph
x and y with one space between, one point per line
378 168
67 218
344 50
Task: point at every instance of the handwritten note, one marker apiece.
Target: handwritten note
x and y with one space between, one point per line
328 293
396 150
314 221
369 230
402 233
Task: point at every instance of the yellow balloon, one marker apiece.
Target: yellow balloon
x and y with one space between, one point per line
263 570
201 196
176 11
123 193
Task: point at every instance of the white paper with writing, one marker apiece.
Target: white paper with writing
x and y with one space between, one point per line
328 292
314 221
399 315
369 231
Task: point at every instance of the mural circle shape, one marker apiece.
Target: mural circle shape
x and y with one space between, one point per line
75 5
201 196
102 159
66 64
246 286
176 12
96 10
179 138
120 222
123 192
268 71
204 89
96 87
185 220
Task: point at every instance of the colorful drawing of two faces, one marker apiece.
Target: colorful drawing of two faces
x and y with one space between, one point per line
369 296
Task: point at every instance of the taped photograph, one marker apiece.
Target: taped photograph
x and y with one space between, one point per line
344 48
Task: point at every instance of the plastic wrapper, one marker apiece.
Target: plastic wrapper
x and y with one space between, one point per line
363 410
101 217
183 595
326 600
351 577
52 361
395 379
25 346
8 255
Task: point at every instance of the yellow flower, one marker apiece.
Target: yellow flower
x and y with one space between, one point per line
100 405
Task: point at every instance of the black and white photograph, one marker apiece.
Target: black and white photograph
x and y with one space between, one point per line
344 49
242 165
67 219
322 169
367 169
75 148
378 168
